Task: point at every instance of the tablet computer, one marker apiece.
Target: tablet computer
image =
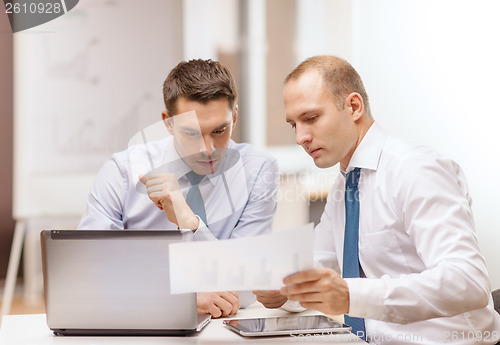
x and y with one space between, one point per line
286 325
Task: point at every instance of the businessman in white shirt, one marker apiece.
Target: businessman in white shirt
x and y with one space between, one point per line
195 178
419 275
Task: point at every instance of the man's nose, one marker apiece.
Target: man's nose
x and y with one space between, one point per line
302 135
208 145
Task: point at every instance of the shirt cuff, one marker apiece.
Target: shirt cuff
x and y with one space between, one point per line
366 296
292 306
202 233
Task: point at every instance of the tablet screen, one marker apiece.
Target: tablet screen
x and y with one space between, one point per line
286 325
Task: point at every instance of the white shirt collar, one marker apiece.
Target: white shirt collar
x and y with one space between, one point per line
367 154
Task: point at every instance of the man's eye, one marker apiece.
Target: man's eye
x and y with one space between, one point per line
191 134
312 118
220 131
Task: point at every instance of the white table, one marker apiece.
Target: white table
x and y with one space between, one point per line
33 330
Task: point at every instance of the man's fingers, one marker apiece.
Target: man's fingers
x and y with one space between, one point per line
272 303
231 297
306 287
313 305
225 307
157 188
152 179
237 305
312 297
304 276
155 181
266 293
214 311
321 289
270 298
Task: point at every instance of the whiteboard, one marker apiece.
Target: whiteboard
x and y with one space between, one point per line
85 83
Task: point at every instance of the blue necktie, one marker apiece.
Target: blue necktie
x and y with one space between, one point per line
194 198
351 257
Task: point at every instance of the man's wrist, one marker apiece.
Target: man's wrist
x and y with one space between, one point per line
197 221
189 221
192 224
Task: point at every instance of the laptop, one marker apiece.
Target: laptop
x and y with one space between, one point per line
114 282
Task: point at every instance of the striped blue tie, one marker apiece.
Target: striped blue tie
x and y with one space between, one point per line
194 198
351 257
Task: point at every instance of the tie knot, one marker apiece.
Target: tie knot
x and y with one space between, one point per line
352 178
194 178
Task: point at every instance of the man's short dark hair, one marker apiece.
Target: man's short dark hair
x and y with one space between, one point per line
200 81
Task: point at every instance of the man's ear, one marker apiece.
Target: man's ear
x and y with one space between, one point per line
168 121
355 103
235 115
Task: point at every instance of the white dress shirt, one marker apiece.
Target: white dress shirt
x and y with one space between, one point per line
239 198
426 280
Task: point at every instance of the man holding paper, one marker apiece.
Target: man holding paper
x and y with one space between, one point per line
195 178
396 247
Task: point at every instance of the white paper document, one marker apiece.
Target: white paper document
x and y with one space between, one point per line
250 263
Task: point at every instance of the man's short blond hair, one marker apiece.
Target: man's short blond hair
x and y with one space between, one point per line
340 78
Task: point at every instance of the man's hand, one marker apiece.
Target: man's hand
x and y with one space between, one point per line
320 289
164 190
270 298
218 303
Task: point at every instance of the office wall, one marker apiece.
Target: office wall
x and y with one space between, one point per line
6 221
280 60
431 70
